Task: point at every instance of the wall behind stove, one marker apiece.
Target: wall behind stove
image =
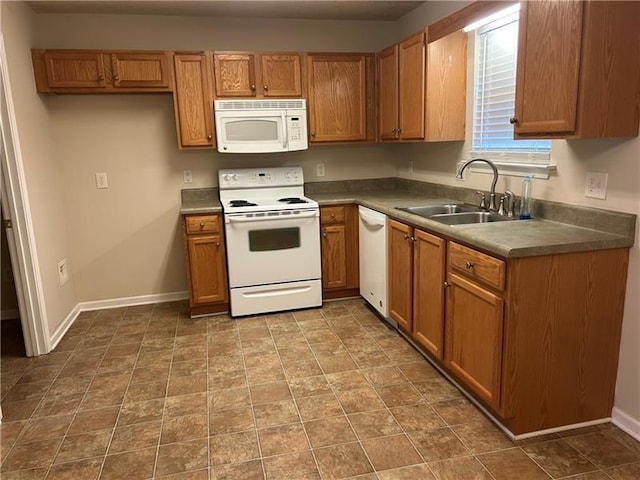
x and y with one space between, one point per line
126 240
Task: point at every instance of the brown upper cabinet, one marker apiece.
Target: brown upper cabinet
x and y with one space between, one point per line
242 74
422 95
578 70
341 90
89 71
401 76
193 102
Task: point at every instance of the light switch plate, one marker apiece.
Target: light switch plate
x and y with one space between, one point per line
187 176
101 180
596 185
63 274
320 170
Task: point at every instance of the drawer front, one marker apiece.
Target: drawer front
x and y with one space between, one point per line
477 266
203 224
329 215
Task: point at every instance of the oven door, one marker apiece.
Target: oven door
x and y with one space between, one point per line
251 132
273 249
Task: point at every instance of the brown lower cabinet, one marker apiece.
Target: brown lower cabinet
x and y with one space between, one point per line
339 244
534 339
206 265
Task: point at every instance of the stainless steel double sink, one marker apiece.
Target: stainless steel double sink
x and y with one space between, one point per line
456 214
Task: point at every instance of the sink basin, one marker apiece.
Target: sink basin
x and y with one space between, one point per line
428 211
466 218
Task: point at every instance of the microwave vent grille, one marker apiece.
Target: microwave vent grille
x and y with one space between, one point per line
283 104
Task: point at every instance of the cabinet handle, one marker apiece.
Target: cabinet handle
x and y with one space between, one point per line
253 87
513 120
116 78
468 265
100 77
209 137
446 284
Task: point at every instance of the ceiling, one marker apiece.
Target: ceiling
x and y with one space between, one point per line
303 9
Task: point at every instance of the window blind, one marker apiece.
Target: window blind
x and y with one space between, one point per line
495 87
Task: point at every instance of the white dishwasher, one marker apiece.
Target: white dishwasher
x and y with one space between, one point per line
373 259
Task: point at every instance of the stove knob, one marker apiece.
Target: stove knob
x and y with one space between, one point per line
225 178
234 177
295 174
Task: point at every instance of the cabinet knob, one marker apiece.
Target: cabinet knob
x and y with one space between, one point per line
209 137
266 87
324 232
446 285
313 134
333 215
217 244
394 130
201 224
100 77
253 87
406 236
468 265
513 120
399 130
116 78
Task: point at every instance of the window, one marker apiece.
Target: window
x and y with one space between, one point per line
496 45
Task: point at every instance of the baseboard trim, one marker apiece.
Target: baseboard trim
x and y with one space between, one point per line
626 423
131 301
63 327
111 303
11 314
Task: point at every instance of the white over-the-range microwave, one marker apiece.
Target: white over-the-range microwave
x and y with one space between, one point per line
261 126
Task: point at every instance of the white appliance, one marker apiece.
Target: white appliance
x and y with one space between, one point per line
272 236
261 126
373 259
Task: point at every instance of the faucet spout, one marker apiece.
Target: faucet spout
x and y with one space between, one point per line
492 197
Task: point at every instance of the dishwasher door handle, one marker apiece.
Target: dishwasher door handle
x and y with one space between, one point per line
372 221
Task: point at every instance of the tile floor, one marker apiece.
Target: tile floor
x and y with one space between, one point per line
145 392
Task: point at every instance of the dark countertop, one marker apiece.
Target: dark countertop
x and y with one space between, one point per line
510 239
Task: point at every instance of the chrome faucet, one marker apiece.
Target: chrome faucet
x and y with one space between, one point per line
492 194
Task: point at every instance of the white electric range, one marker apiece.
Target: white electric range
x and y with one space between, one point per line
272 236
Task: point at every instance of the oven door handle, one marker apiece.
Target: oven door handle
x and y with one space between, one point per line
266 218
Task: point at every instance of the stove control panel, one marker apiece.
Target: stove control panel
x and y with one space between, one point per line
260 177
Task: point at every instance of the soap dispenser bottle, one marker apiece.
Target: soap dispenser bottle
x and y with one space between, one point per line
525 199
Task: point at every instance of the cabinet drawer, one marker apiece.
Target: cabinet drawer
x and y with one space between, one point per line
330 215
203 224
477 266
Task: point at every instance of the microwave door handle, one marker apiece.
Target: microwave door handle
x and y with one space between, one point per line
284 131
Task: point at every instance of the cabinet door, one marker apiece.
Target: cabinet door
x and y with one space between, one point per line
446 88
473 332
143 70
192 101
74 69
334 256
428 292
235 75
280 75
207 269
388 93
337 98
411 74
548 67
400 274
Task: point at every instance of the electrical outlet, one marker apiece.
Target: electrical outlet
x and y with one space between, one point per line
410 166
63 273
319 169
101 180
596 185
187 177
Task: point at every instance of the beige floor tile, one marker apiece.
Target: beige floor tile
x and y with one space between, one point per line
90 420
342 461
87 469
233 448
185 404
45 428
229 398
360 400
137 464
182 457
626 472
384 376
182 429
399 394
481 437
282 439
309 386
299 465
343 381
134 437
336 363
231 421
319 406
417 417
329 431
141 412
86 445
379 423
31 455
187 384
558 458
251 470
140 392
276 413
440 444
510 464
269 392
466 468
413 472
457 410
391 452
603 450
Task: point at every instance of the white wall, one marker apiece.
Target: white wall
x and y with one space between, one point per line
43 176
620 158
